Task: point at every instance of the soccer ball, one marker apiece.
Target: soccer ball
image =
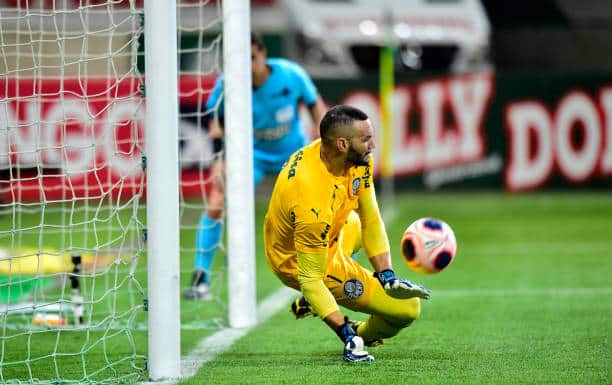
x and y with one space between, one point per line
428 245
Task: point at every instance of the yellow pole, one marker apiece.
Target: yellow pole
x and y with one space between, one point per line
386 86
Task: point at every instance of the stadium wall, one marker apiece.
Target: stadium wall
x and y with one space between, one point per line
511 131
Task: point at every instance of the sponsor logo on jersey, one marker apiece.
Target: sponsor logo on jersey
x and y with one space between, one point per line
325 231
273 133
284 114
294 162
366 177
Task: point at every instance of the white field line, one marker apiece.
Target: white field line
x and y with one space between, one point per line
217 343
213 345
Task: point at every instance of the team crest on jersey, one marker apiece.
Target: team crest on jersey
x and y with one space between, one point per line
353 288
356 182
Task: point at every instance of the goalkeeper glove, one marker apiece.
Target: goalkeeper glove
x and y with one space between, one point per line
301 308
400 288
353 344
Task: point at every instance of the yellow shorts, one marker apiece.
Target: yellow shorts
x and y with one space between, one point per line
355 287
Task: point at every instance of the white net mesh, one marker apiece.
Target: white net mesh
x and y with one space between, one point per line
200 60
72 213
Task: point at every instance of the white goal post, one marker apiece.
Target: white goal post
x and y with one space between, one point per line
162 178
239 153
162 190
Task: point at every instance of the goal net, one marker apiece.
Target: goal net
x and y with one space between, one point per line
73 226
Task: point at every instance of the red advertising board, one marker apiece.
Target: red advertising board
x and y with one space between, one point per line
75 138
84 138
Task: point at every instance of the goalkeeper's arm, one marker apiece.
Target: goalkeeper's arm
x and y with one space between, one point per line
311 268
374 237
312 260
376 244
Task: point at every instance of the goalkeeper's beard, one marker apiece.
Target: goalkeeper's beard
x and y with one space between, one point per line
357 158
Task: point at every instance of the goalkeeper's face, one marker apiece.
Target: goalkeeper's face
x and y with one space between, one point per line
361 144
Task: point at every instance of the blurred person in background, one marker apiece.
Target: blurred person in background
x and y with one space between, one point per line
279 86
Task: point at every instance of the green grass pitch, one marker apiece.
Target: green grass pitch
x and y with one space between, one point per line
528 300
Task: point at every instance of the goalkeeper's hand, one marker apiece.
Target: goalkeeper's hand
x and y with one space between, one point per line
400 288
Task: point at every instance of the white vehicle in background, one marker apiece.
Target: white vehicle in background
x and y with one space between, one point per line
342 37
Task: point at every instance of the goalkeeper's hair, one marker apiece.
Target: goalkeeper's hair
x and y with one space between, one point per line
337 117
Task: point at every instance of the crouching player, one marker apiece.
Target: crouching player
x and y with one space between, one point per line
322 210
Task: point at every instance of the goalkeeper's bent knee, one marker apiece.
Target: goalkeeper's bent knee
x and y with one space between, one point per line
411 312
400 311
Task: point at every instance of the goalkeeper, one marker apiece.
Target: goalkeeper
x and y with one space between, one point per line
279 86
322 210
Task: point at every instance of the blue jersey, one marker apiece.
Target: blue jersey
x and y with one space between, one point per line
277 129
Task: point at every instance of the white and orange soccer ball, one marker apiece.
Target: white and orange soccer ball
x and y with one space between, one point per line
428 245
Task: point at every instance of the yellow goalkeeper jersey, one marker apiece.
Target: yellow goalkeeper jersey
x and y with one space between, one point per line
308 208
